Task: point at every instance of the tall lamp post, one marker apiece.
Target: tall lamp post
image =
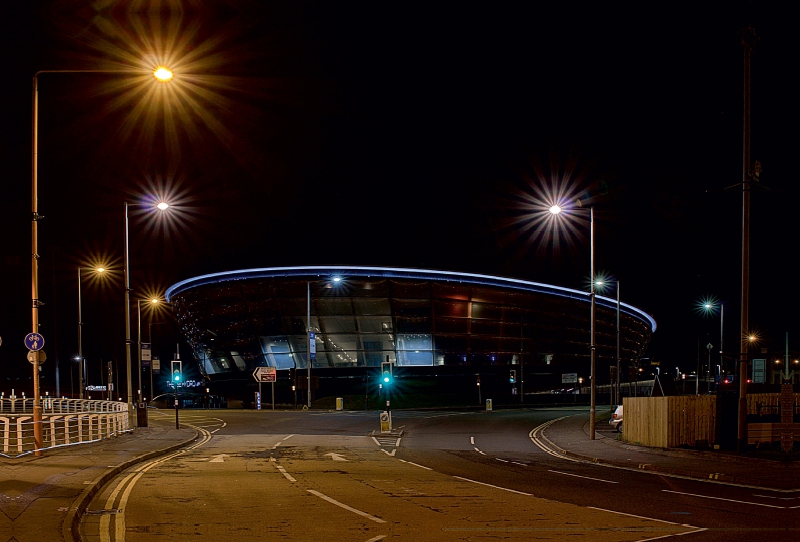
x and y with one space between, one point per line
162 206
161 74
556 209
81 361
309 340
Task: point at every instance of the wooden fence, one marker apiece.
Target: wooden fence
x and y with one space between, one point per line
683 420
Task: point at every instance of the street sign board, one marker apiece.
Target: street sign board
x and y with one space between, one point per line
265 374
34 341
312 344
37 355
569 378
156 365
146 352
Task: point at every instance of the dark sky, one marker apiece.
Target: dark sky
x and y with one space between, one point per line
400 135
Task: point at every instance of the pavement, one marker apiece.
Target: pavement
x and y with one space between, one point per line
43 498
570 437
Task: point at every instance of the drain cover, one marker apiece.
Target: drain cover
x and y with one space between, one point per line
102 512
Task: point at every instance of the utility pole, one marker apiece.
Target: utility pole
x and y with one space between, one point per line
749 39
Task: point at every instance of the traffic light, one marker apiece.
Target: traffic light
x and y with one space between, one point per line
512 376
386 373
177 373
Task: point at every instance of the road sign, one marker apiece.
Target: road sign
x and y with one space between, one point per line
34 341
312 344
34 354
146 352
569 378
265 374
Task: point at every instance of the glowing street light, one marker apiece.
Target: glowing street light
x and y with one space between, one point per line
128 341
35 218
81 361
556 210
163 74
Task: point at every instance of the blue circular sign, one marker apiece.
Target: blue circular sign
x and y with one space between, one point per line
34 341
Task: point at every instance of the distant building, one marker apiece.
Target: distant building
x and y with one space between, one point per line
426 322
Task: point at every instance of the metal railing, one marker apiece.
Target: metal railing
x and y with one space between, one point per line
65 422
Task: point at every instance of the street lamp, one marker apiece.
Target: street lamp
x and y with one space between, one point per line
35 218
310 338
81 361
161 206
617 398
152 301
556 210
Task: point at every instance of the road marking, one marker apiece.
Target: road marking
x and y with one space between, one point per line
128 484
397 444
723 499
287 438
650 519
285 474
376 441
387 453
376 538
584 477
219 458
477 449
215 430
495 487
342 505
779 498
503 460
472 440
336 457
520 464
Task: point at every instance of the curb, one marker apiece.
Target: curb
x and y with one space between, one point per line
70 526
715 476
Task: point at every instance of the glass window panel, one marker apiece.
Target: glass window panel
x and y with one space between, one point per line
411 325
331 307
487 327
414 349
419 290
451 308
412 307
484 310
452 325
337 324
374 324
366 306
450 343
277 352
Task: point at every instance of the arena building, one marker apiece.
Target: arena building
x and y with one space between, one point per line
427 323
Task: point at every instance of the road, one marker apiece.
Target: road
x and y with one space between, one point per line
449 476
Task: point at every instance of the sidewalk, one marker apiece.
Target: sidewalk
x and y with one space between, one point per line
41 498
570 437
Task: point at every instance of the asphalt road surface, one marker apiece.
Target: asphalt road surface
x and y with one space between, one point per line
257 475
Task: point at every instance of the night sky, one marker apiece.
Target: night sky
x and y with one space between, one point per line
408 135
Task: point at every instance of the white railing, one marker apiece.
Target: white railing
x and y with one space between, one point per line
65 422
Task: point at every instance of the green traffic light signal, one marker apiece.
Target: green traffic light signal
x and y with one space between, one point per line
177 374
386 370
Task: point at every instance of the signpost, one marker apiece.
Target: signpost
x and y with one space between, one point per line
266 374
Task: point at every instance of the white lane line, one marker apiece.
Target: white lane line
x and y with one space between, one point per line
520 464
480 452
376 441
287 438
477 449
342 505
773 497
503 460
215 430
397 444
495 487
649 519
376 538
722 499
584 477
472 440
415 464
285 474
